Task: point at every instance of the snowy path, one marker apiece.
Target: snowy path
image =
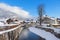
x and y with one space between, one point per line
43 34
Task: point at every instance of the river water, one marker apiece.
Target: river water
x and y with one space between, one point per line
28 35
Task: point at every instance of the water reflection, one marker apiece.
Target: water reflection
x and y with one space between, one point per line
27 35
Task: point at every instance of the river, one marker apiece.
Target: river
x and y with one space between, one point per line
28 35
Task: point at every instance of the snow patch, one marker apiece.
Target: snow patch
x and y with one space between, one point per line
43 34
55 29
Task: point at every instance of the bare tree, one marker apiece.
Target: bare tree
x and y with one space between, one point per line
40 12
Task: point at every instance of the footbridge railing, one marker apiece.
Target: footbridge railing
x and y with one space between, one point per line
10 32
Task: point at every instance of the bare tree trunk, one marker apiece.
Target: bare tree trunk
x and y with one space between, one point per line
40 13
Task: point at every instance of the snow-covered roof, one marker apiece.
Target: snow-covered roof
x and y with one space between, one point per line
52 18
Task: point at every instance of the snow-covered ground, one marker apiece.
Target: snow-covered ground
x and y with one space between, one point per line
55 29
43 33
2 24
5 31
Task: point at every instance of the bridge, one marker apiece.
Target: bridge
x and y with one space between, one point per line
10 32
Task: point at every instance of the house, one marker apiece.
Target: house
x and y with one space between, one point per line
51 21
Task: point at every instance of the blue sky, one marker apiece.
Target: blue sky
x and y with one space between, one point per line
52 7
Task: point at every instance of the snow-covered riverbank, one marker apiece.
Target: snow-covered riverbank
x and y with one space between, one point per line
43 33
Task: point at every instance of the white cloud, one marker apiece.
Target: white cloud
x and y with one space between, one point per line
15 9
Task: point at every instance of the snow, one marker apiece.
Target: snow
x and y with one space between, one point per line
1 23
55 29
10 24
2 19
43 34
1 32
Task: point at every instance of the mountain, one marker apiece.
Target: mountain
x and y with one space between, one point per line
6 14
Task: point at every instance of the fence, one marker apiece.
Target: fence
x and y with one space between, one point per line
11 33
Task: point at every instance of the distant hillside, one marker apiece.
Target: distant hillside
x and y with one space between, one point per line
6 14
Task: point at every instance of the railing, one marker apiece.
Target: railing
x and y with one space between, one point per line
11 34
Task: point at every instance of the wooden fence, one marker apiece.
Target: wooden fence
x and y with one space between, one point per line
11 33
